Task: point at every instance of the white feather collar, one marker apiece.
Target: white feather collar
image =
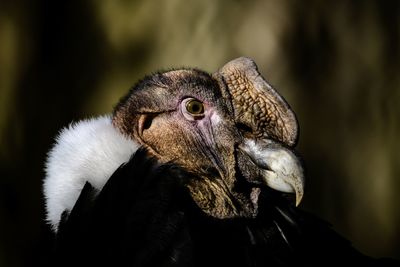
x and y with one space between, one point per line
89 150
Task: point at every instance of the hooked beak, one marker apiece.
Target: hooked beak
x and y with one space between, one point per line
280 168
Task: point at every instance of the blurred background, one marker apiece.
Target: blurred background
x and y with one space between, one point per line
336 62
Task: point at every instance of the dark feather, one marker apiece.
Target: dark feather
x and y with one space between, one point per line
145 217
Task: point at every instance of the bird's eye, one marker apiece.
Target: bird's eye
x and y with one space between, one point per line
194 107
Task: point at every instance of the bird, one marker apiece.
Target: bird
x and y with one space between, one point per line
190 169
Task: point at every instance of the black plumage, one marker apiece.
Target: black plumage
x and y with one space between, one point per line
144 216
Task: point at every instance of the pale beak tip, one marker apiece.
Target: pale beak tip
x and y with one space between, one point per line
299 197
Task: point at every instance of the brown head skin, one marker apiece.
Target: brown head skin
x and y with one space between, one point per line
226 128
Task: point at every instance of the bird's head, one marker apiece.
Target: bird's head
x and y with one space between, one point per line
231 129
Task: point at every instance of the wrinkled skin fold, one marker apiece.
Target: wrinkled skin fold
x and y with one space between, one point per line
271 127
240 141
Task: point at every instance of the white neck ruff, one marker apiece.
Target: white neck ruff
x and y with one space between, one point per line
86 151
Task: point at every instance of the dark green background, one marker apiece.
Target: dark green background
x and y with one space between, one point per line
336 62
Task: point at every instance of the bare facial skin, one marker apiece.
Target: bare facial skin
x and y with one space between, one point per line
222 127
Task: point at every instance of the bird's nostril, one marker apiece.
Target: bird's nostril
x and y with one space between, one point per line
244 129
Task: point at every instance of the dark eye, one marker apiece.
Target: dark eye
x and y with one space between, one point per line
195 107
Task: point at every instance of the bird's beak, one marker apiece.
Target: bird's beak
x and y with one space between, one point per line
280 168
270 124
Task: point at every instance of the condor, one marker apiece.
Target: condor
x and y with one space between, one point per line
191 169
